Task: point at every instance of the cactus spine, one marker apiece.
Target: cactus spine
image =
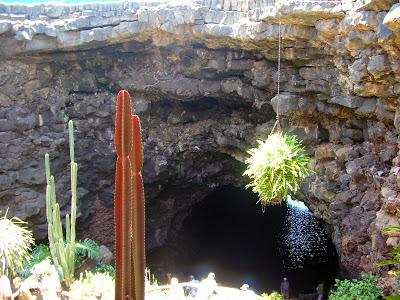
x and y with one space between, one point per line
62 250
128 203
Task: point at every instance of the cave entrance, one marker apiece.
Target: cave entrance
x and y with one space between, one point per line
228 234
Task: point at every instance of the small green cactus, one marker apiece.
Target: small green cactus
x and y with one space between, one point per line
62 250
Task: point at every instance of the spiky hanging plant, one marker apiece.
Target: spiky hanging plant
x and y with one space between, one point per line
15 244
276 167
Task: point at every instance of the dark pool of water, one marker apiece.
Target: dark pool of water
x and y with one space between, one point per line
229 234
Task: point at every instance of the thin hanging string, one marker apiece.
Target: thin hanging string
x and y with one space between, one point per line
279 72
277 124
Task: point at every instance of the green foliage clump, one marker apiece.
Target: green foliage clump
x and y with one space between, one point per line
91 285
15 243
363 289
106 269
394 254
276 166
39 254
273 296
86 249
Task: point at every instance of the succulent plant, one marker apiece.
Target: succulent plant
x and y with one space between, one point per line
128 203
62 249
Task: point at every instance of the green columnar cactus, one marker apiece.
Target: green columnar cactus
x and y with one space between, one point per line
62 250
128 203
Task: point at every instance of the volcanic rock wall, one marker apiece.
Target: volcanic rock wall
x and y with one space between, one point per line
204 78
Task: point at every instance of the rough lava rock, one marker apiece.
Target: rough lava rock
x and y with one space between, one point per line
204 78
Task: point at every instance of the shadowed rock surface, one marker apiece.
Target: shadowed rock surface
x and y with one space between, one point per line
204 78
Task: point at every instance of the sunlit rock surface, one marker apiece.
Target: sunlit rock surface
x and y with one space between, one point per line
204 78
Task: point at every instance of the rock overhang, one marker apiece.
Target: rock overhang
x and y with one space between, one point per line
56 27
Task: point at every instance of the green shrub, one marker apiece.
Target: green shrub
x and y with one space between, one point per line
106 269
86 249
15 243
394 254
273 296
91 285
362 289
276 167
83 249
39 254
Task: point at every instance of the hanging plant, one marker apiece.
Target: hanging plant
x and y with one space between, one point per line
276 167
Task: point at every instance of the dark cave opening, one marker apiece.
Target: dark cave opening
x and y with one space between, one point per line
228 234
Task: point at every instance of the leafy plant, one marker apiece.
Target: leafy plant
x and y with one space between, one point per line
394 254
62 250
86 249
106 269
276 166
39 254
273 296
395 259
15 243
91 285
363 289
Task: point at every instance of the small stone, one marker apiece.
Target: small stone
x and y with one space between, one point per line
106 256
359 40
328 28
367 107
347 101
375 5
392 18
5 26
388 193
54 11
345 153
324 152
290 103
361 20
383 32
378 66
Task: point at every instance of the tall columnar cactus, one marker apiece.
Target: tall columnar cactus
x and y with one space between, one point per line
62 250
128 203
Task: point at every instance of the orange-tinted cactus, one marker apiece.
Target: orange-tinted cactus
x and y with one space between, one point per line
128 203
